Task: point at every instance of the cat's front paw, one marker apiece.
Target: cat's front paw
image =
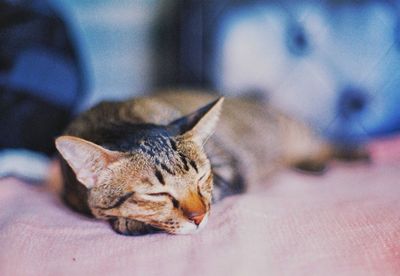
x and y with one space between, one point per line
131 227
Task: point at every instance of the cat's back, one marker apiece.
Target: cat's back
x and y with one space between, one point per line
111 116
256 136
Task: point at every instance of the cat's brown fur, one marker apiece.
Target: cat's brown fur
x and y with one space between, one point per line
162 178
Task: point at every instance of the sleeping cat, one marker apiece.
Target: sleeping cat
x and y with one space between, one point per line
151 163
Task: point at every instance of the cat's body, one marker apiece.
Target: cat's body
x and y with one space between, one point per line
254 139
249 142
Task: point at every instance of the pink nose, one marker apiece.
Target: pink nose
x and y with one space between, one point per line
197 219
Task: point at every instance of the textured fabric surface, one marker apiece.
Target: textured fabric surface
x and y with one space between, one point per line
346 222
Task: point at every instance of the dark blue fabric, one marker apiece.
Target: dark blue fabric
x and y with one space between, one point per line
41 79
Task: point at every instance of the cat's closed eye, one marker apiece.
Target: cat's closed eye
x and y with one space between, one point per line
175 202
202 177
204 180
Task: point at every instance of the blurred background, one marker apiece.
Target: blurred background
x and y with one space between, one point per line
332 63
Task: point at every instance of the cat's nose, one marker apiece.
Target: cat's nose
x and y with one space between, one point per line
194 208
197 218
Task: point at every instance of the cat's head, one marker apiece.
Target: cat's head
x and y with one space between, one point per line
165 180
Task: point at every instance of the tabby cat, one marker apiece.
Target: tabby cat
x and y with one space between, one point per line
145 166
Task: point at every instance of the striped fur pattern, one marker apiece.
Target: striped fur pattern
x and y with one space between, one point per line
145 167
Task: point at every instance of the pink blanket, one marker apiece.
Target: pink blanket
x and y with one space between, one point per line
344 223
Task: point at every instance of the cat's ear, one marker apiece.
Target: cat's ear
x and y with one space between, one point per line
85 158
199 125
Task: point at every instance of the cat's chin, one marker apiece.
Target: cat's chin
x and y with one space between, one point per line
190 228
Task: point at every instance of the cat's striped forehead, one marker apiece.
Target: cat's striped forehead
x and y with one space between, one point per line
168 155
158 146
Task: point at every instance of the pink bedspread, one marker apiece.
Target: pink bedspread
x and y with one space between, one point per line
344 223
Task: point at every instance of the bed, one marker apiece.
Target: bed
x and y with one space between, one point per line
345 222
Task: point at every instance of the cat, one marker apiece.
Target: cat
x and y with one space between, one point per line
152 164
